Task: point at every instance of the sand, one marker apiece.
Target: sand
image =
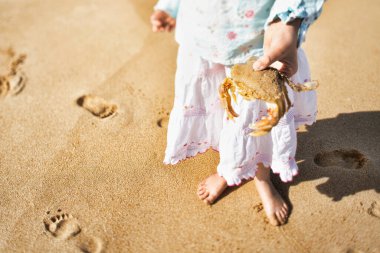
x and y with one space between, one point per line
107 174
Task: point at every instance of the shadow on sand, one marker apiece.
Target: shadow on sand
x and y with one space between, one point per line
345 150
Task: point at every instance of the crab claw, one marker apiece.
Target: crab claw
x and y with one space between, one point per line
266 123
312 85
226 97
308 86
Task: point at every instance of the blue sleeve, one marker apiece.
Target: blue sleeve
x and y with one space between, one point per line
169 6
288 10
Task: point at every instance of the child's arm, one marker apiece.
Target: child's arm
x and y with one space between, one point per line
163 17
285 31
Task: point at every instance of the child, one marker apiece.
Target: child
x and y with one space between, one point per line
213 35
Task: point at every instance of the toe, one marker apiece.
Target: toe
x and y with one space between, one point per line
201 184
273 220
280 217
204 195
210 199
286 214
285 210
47 221
201 191
207 201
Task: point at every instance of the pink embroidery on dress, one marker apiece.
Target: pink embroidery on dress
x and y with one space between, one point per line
194 111
194 145
231 35
249 14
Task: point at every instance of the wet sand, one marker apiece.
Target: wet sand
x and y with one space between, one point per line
106 176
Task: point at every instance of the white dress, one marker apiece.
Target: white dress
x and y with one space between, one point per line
198 122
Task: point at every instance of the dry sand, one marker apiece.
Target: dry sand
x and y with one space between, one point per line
108 173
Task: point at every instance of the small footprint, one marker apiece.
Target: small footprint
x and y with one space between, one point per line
374 210
349 159
163 120
97 106
62 225
258 208
13 80
17 83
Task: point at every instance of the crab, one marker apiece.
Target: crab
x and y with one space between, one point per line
267 85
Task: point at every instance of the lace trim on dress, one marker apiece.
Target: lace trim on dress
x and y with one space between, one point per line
309 119
286 169
246 171
190 150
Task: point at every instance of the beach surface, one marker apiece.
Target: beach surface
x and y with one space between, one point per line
105 176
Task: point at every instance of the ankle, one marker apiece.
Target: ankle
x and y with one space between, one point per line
263 180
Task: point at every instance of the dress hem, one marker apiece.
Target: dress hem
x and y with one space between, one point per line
186 155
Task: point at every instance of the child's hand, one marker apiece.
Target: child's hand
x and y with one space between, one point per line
162 21
280 48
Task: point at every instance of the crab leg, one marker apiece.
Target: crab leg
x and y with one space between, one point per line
226 97
308 86
266 123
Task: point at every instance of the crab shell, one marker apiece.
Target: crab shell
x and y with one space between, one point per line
267 85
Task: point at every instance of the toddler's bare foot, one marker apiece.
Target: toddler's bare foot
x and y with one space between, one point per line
274 206
211 188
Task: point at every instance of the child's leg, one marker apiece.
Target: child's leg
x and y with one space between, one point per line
274 205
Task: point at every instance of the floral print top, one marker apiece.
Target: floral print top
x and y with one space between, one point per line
232 31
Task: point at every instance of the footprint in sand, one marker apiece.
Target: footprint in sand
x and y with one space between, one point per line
163 120
97 106
12 79
374 210
349 159
64 226
258 208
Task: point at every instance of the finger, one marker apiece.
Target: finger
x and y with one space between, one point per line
268 58
157 28
156 22
278 65
171 21
171 28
